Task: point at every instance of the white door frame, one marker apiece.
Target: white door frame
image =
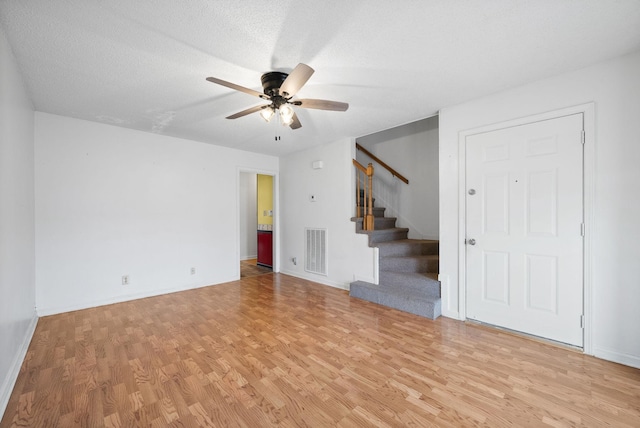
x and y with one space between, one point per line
276 215
588 111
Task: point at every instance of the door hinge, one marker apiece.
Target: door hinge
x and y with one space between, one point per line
581 321
582 229
582 136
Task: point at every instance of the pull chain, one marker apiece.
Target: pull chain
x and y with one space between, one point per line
277 137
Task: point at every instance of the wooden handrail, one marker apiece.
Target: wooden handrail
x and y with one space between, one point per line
359 166
382 164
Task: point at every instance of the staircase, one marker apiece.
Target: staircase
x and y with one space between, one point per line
408 268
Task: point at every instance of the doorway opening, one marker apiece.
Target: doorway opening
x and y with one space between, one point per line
256 197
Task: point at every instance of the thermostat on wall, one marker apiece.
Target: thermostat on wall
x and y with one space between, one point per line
317 164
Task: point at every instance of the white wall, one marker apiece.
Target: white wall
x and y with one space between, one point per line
112 201
412 150
349 254
614 87
17 252
248 216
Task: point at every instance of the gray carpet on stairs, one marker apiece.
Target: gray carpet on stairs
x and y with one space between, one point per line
408 270
398 297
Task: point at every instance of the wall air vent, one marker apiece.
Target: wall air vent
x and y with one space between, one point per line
315 256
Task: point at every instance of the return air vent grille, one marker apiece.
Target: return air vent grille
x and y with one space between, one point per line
315 257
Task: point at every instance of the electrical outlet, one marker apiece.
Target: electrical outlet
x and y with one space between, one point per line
125 279
294 260
193 271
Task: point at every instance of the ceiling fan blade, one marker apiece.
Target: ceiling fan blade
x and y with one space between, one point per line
321 104
296 80
295 124
237 87
247 111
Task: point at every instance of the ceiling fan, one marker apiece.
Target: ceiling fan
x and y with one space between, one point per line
279 89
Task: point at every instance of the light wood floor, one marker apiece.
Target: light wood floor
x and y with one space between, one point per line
275 350
252 268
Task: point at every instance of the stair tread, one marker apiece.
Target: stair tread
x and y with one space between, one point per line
417 256
390 230
360 218
410 241
419 275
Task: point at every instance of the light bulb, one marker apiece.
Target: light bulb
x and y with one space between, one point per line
267 113
286 114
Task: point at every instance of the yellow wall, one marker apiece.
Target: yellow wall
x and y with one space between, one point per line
265 198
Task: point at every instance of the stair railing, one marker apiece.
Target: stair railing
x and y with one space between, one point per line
364 175
382 164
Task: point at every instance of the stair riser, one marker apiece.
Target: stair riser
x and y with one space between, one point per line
365 202
408 249
425 286
379 223
427 309
409 264
385 237
377 211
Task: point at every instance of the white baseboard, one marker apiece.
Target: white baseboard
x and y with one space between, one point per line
618 357
243 258
53 310
12 375
314 278
451 314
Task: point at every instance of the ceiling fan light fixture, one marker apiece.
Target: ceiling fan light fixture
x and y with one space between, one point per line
267 113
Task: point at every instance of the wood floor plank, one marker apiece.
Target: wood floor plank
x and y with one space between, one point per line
273 350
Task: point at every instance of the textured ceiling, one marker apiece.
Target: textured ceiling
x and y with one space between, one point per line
142 64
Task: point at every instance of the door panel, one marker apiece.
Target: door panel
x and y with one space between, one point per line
525 213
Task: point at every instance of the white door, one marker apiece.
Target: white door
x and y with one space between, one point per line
524 215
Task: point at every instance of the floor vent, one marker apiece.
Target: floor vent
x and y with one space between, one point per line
315 259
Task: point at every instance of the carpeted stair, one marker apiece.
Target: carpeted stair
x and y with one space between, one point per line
408 269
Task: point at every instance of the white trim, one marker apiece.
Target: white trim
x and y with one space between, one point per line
318 279
588 111
11 377
376 265
589 221
445 287
53 310
618 357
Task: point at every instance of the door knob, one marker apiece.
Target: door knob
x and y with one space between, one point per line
471 242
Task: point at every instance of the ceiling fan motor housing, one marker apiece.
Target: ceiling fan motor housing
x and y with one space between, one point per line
272 81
